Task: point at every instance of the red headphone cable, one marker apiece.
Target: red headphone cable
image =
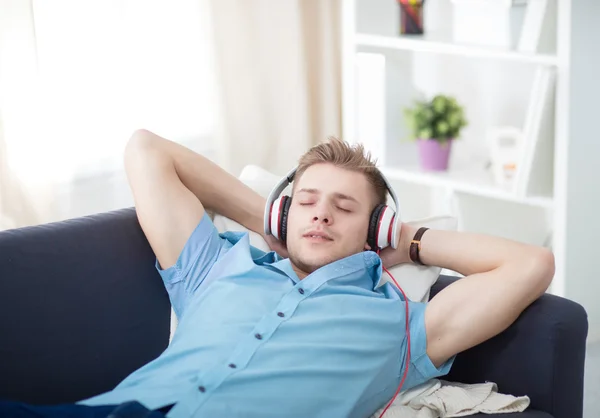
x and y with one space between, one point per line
408 343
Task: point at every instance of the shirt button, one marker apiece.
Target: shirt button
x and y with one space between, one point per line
202 389
233 366
281 314
258 336
301 291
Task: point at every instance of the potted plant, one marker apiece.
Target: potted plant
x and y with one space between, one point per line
435 124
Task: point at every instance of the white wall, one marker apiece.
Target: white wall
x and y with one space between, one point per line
583 181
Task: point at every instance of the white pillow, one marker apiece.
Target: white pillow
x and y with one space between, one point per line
262 182
416 281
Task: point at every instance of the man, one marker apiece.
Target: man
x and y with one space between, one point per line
305 330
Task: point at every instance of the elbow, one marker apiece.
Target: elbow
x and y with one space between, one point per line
542 269
139 144
140 139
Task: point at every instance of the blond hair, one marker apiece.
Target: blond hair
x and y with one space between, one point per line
348 156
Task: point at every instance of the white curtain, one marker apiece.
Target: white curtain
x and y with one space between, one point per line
111 66
241 81
79 76
17 105
278 67
16 207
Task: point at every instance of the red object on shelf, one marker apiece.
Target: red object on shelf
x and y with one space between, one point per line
411 17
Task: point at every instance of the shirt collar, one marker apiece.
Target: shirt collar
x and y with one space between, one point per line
274 260
285 266
368 260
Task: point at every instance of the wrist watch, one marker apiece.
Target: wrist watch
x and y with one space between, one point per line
415 246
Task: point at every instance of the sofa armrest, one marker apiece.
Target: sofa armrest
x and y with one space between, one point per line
81 306
541 355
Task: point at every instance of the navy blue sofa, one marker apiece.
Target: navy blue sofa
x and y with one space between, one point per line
82 306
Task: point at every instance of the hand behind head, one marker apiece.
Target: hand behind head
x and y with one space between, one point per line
276 245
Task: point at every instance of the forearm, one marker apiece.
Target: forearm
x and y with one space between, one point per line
217 190
503 277
467 253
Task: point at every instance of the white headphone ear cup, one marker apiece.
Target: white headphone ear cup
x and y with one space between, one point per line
276 210
385 227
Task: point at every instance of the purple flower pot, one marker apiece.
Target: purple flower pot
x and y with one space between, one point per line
434 155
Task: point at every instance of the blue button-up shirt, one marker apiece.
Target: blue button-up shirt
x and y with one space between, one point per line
255 341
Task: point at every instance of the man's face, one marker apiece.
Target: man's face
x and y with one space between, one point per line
329 216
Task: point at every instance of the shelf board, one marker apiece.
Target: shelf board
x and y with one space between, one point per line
473 182
429 43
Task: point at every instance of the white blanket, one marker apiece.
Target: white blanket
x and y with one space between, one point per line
440 399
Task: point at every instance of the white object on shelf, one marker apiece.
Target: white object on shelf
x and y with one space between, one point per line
439 45
505 150
533 23
537 129
370 103
494 23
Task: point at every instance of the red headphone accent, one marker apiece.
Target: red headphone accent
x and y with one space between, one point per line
391 228
279 213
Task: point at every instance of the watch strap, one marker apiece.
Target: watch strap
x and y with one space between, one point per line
415 246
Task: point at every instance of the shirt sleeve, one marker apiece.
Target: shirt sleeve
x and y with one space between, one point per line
421 367
202 250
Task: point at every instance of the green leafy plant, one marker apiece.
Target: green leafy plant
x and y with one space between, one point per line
440 118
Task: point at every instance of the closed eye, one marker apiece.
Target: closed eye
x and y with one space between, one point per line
344 210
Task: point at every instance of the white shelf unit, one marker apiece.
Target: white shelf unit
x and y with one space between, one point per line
494 84
469 182
440 45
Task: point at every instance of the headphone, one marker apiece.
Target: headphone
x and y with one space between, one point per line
383 224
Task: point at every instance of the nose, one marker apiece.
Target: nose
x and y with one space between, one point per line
322 215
